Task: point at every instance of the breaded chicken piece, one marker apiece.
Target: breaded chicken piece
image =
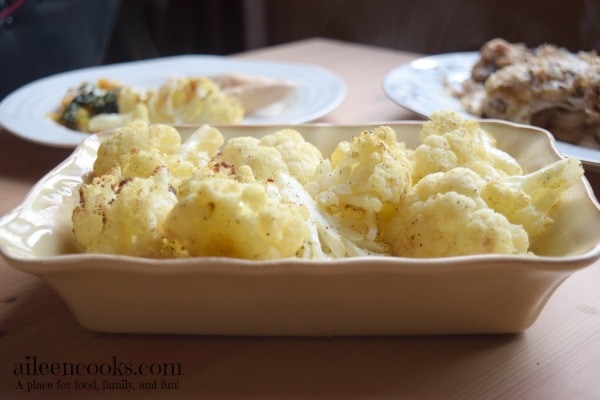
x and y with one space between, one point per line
547 86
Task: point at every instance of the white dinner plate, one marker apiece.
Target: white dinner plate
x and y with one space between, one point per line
25 111
423 86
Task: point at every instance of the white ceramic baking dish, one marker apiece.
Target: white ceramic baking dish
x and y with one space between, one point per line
357 296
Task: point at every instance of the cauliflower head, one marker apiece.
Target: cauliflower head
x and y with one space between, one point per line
193 100
444 215
362 179
527 200
103 222
282 150
217 215
139 148
449 141
459 212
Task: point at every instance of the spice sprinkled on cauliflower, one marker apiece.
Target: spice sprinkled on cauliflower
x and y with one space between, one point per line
444 215
138 149
359 183
449 141
125 216
283 150
219 216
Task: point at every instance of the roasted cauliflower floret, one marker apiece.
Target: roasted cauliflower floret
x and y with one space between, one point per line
449 141
300 156
193 100
527 200
138 149
370 170
89 217
283 150
220 216
125 216
360 181
444 215
196 152
459 212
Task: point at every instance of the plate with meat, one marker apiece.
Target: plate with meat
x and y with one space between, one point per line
62 110
546 86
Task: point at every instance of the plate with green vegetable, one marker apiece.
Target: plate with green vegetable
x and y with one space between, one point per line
47 111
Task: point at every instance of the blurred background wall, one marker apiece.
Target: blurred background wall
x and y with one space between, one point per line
43 37
433 26
165 27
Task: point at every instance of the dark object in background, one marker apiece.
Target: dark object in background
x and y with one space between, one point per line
39 38
43 37
162 28
434 26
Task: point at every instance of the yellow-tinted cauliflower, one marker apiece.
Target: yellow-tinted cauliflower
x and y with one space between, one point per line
136 174
444 215
193 100
220 216
125 216
360 182
139 148
527 200
449 141
458 153
283 150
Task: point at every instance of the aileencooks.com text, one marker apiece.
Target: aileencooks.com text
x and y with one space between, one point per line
31 366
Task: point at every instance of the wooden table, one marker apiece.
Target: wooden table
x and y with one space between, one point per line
557 358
